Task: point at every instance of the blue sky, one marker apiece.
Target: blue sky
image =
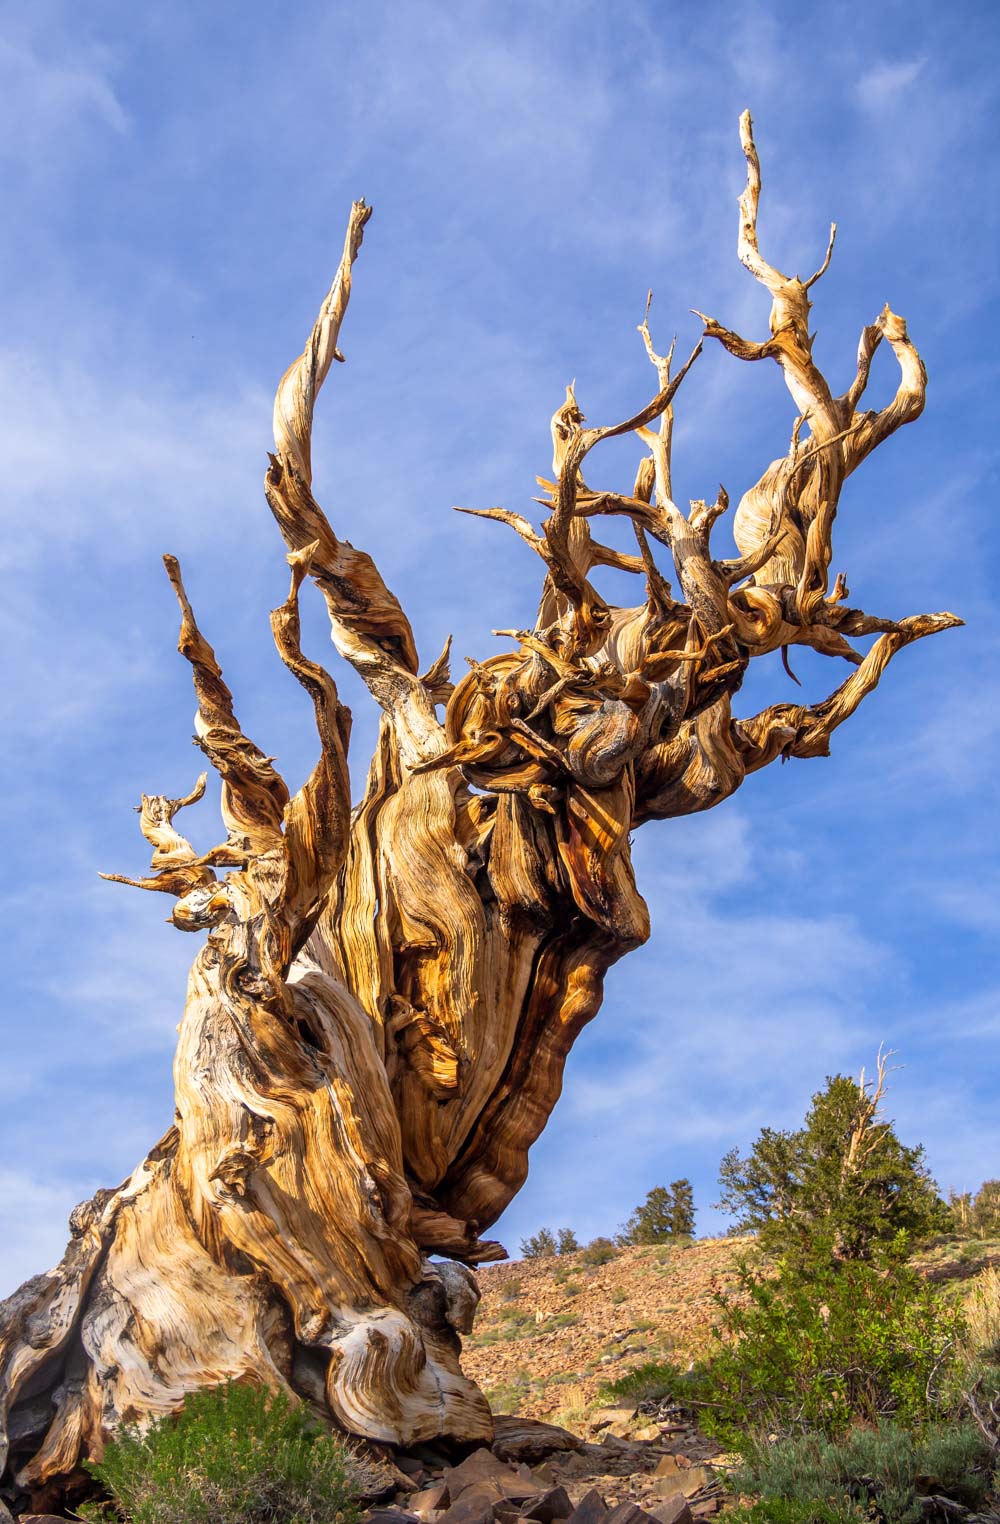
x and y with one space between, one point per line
177 178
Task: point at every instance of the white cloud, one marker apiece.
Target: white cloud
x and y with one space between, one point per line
47 96
882 85
33 1232
97 450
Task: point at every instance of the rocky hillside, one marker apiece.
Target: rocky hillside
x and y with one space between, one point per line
550 1332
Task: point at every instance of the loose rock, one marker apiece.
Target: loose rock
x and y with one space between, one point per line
429 1500
674 1510
628 1513
551 1505
591 1509
482 1467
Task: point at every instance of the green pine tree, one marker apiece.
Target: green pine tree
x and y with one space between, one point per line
666 1213
650 1223
682 1209
985 1212
843 1179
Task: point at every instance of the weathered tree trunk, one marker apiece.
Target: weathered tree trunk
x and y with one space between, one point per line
377 1022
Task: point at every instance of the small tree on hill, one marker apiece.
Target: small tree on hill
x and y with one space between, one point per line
986 1210
682 1209
666 1213
541 1245
843 1178
976 1216
568 1243
598 1252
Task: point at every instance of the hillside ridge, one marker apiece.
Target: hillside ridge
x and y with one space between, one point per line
551 1331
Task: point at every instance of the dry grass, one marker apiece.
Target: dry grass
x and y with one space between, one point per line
982 1312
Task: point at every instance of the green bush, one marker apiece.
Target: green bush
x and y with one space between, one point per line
815 1349
883 1468
824 1346
646 1383
512 1325
598 1252
232 1453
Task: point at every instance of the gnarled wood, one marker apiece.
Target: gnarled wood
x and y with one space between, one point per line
377 1022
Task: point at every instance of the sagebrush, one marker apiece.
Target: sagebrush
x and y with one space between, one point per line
232 1453
885 1469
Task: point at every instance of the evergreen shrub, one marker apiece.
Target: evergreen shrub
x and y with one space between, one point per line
233 1452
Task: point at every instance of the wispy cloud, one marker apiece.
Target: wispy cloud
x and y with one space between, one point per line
887 81
44 95
30 1209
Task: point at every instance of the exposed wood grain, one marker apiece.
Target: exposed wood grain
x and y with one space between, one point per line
378 1019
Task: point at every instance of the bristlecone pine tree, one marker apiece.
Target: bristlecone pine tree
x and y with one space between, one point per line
681 1209
842 1184
666 1213
378 1019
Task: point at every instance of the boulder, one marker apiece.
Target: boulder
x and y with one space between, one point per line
614 1418
694 1479
483 1468
591 1509
629 1513
674 1510
508 1511
577 1464
474 1506
429 1500
674 1481
549 1506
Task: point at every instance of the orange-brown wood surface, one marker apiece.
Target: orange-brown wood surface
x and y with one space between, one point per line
381 1008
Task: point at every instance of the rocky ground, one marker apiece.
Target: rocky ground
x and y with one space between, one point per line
551 1336
551 1332
539 1472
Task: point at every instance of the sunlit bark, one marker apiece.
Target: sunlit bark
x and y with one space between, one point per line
379 1015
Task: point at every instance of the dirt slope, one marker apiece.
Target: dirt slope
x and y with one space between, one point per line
549 1332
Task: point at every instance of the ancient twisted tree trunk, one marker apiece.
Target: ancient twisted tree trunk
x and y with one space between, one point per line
378 1017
